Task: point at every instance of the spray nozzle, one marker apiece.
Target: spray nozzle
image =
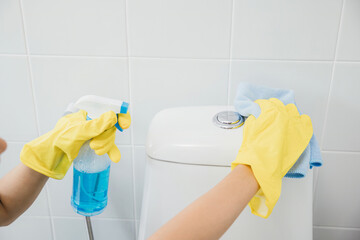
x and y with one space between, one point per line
96 105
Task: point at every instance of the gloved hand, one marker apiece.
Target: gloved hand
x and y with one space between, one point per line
53 153
271 145
105 142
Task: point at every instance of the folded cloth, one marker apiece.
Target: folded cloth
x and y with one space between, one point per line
245 104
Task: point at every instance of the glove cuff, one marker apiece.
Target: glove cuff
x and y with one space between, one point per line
33 161
265 199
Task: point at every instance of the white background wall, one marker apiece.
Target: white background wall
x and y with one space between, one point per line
166 53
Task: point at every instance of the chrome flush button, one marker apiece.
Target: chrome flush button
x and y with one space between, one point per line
228 120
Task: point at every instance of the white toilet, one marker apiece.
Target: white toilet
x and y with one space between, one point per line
189 150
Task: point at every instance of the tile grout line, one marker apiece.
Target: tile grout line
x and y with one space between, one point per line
329 95
119 145
179 58
12 55
77 56
30 70
282 60
31 76
131 126
50 212
347 61
95 218
114 219
230 50
36 217
339 228
340 151
143 145
332 75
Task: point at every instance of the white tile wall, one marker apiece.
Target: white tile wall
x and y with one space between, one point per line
280 29
344 104
38 228
78 27
70 228
349 48
187 28
158 54
113 229
161 83
11 28
16 100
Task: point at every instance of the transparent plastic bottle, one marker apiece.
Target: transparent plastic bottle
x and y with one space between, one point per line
91 172
90 182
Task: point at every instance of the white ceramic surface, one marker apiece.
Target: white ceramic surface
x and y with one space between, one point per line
76 27
327 233
157 84
170 187
63 225
113 229
342 131
189 160
349 48
188 135
11 28
337 197
28 228
277 29
16 100
188 28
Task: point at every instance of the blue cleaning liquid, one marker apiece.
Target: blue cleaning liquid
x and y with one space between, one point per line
89 195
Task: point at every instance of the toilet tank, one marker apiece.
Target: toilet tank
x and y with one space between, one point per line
188 154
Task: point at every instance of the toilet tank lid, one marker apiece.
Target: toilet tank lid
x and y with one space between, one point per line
188 135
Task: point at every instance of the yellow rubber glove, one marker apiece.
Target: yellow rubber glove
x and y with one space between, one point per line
271 145
53 153
105 142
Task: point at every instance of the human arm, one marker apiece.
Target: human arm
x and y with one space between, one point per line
271 145
14 198
213 213
50 156
18 190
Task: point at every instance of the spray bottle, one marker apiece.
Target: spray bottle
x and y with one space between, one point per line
91 171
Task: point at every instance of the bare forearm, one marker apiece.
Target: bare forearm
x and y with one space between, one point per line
214 212
18 190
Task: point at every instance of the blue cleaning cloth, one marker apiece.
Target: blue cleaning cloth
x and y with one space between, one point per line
244 103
